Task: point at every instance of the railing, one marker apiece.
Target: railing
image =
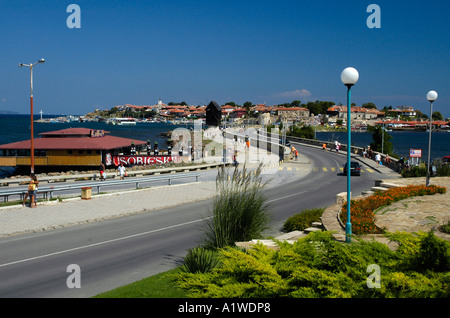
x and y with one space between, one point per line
47 191
12 182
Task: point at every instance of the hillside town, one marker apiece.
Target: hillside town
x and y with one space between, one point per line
313 113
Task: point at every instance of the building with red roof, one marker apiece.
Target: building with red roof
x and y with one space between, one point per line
67 148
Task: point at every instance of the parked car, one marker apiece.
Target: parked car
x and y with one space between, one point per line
355 168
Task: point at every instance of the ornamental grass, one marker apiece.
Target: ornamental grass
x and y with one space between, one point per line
362 210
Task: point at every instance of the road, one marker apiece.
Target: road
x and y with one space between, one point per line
119 251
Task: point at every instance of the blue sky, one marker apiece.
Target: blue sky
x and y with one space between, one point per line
134 52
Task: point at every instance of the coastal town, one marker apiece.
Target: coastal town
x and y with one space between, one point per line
318 113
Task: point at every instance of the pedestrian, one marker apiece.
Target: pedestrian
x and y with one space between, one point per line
337 147
387 160
296 154
32 191
364 152
324 146
235 162
102 171
378 158
121 171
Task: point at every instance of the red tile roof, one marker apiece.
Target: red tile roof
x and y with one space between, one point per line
74 143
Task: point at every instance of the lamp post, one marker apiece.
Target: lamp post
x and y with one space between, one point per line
349 77
31 109
431 96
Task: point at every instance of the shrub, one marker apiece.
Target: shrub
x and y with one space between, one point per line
199 260
414 172
433 254
445 227
302 220
362 211
240 211
319 266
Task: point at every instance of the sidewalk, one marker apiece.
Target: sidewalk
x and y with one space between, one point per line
68 212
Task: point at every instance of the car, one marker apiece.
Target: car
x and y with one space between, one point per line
355 168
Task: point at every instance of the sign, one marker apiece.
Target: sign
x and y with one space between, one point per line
142 160
95 133
415 153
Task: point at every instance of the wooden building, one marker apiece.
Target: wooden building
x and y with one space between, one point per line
66 149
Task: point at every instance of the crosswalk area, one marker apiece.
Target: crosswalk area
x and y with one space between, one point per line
322 169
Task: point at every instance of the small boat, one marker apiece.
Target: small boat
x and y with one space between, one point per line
121 121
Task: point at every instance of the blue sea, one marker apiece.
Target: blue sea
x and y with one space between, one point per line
402 141
17 128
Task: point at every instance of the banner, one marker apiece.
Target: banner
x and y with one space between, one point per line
415 153
142 160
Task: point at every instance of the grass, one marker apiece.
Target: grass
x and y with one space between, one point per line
156 286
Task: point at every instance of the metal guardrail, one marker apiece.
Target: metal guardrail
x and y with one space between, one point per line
47 191
14 182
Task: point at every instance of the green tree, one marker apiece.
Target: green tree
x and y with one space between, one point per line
437 116
369 105
377 135
295 103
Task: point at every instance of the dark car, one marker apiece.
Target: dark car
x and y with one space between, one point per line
355 168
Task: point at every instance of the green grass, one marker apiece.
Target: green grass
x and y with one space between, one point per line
157 286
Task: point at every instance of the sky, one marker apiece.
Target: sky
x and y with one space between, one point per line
262 51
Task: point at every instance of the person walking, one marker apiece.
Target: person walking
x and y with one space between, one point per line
32 191
121 171
102 171
324 146
378 158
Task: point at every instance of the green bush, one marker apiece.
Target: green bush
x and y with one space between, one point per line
433 254
319 266
443 170
240 212
302 220
414 172
445 227
199 260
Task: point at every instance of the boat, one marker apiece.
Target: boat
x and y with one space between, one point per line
122 121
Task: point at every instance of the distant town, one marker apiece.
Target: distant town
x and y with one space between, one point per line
318 113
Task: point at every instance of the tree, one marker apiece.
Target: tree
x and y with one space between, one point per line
295 103
377 135
369 105
248 104
437 116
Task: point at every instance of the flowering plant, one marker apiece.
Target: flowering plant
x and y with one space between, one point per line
362 211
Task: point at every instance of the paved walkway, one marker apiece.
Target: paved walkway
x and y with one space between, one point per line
68 212
421 213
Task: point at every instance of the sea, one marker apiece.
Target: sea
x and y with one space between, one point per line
17 128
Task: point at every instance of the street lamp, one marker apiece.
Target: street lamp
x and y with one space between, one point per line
31 108
431 96
349 77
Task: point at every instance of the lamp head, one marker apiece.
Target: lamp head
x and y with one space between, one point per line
432 96
41 61
349 76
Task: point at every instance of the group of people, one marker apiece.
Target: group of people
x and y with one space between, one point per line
368 153
337 146
120 170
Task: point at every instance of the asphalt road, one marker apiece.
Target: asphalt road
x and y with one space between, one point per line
120 251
